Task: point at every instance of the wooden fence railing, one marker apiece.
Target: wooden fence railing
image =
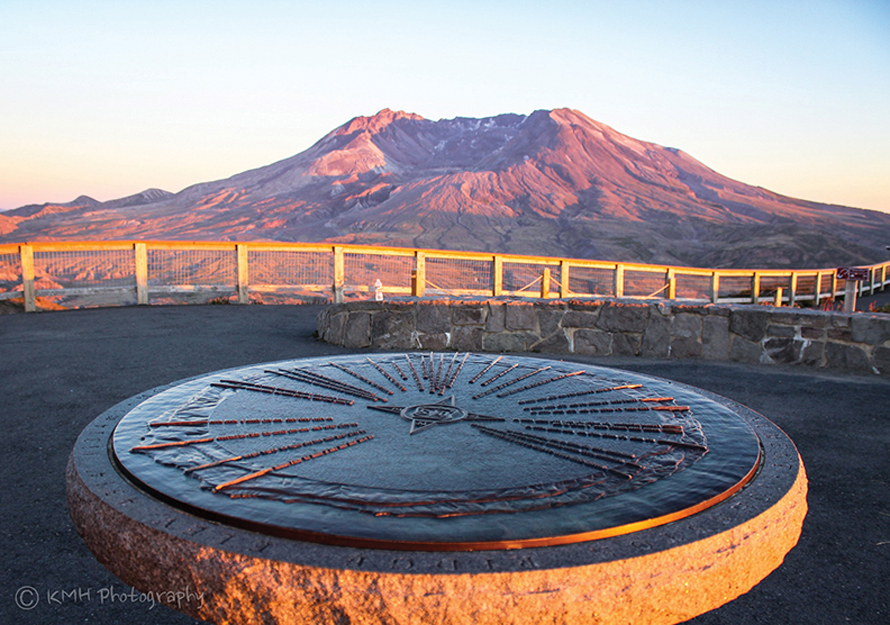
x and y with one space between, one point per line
139 271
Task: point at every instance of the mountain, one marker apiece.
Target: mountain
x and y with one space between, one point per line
553 183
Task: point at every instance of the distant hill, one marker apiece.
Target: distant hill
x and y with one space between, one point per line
553 183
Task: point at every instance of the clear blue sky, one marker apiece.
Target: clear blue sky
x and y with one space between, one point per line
110 98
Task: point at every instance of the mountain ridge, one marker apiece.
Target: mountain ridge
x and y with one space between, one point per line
554 183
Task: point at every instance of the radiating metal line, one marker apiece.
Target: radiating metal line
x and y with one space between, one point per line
231 437
585 450
541 383
580 393
158 424
435 373
591 404
414 373
618 437
438 373
274 450
359 376
510 383
285 465
457 372
485 370
275 390
667 428
498 375
317 379
387 375
447 374
398 369
518 439
557 411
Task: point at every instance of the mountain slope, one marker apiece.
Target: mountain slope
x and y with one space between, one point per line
554 183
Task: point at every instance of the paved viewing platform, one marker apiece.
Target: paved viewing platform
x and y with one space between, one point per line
61 369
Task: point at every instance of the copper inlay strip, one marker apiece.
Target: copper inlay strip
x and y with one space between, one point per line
485 370
510 383
541 383
387 375
359 376
498 375
398 369
316 379
414 372
273 450
275 390
251 476
232 437
457 372
580 393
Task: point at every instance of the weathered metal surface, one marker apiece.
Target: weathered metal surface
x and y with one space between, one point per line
552 453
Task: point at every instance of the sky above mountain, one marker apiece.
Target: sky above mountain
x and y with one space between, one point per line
107 99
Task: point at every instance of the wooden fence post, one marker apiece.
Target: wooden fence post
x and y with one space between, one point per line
564 279
243 275
792 289
671 283
29 294
418 276
339 276
755 287
497 275
140 254
778 301
715 287
545 283
850 288
619 280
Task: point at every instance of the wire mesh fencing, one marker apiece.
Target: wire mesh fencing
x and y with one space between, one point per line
10 274
693 286
459 276
80 274
646 284
362 271
191 268
78 269
526 278
587 281
311 271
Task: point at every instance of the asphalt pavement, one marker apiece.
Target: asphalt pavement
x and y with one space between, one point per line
60 370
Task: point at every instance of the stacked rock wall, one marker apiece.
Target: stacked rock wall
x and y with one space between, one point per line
742 333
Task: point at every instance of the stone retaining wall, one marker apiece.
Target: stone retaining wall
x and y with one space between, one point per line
742 333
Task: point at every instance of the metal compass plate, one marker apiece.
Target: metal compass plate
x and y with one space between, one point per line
436 450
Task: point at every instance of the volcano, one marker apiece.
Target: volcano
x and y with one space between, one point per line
553 183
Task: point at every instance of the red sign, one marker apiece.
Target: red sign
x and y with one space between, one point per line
852 273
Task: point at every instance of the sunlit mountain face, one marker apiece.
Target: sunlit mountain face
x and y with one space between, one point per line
553 183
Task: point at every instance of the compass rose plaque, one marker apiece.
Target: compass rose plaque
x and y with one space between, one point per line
427 453
424 450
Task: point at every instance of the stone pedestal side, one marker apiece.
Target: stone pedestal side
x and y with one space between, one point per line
857 342
222 574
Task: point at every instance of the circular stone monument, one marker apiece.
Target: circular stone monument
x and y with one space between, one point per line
410 487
